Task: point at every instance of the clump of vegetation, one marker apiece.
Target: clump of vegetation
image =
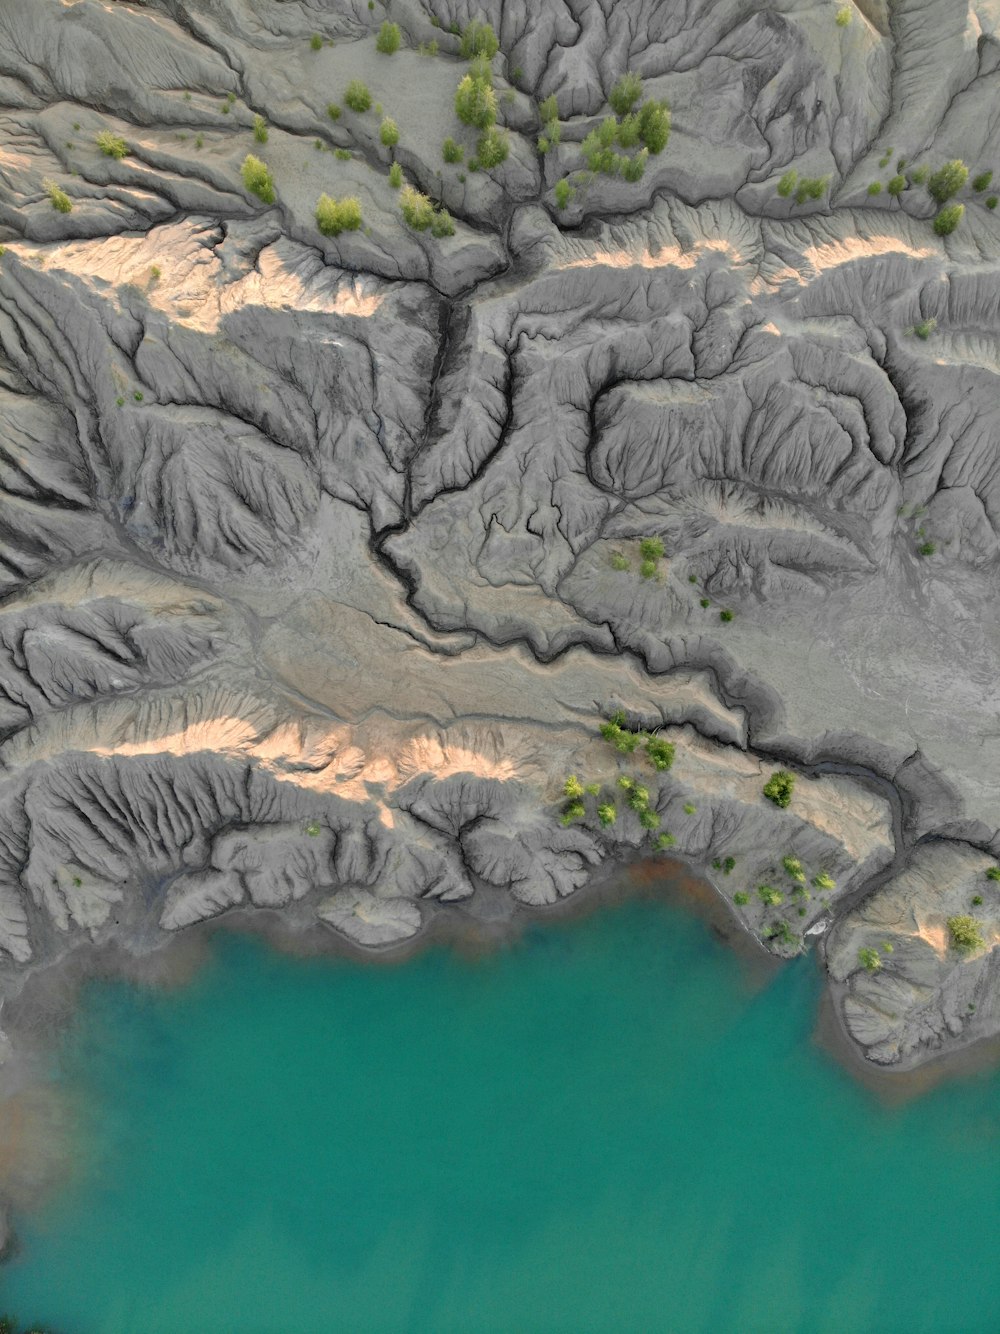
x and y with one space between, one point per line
654 125
551 132
811 187
726 616
741 898
783 933
993 873
388 39
138 395
977 900
788 182
493 148
442 223
875 188
342 154
704 602
689 809
626 93
452 151
843 16
563 192
619 562
615 731
925 328
948 180
779 787
112 145
948 219
313 828
475 103
357 96
927 549
607 813
388 133
980 182
260 129
60 200
660 752
257 179
991 202
824 881
794 868
334 216
870 960
395 175
333 110
919 175
417 209
665 841
478 39
316 42
120 401
966 934
769 896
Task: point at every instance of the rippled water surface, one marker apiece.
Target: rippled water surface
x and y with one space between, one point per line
604 1127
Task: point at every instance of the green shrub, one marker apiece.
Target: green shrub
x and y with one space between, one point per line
981 181
689 809
260 129
442 223
741 898
573 810
388 39
388 133
626 93
788 182
875 188
778 788
728 865
563 192
334 216
60 200
395 175
925 328
649 819
475 103
357 96
704 602
993 873
783 933
618 561
112 145
316 42
138 395
948 219
120 401
452 151
884 159
478 39
632 168
794 868
417 209
333 111
896 186
977 900
665 841
598 148
199 141
572 787
615 731
257 179
726 615
948 180
651 548
654 125
966 934
647 568
342 154
660 752
313 828
770 896
607 814
843 16
926 549
628 131
811 187
824 881
548 110
492 148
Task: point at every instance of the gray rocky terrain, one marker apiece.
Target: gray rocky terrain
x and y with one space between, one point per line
325 555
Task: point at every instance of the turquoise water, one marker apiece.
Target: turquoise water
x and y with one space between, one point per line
601 1128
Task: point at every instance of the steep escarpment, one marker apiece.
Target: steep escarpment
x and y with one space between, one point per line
330 537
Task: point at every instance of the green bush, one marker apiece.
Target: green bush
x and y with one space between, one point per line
993 873
493 148
651 548
395 175
632 168
925 328
966 934
770 896
647 568
333 111
417 209
598 148
726 615
334 216
665 841
787 182
948 180
112 145
260 129
442 223
563 192
843 16
478 39
981 181
927 549
919 175
870 959
654 125
572 787
452 151
313 828
778 788
824 881
794 868
60 200
689 808
741 898
388 39
728 865
316 42
649 819
257 179
615 731
618 561
628 131
548 110
573 810
991 202
875 188
626 93
977 900
357 96
811 187
388 133
948 219
896 186
342 154
704 602
660 752
475 103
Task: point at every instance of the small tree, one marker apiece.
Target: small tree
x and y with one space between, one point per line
564 192
770 896
870 960
388 132
260 129
475 103
660 752
948 180
492 148
395 175
548 110
478 39
112 145
417 209
316 42
896 186
607 814
60 200
442 223
626 93
654 125
966 934
779 787
875 188
981 181
257 179
452 151
357 96
388 39
334 216
948 219
632 168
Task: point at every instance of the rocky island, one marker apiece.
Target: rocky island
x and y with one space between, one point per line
449 449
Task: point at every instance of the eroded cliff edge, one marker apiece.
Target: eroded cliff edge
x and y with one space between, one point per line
321 556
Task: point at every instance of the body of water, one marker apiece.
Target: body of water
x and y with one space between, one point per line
604 1127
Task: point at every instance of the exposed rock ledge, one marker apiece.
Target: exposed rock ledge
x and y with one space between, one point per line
320 556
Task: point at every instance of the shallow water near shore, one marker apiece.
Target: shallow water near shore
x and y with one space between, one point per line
608 1124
